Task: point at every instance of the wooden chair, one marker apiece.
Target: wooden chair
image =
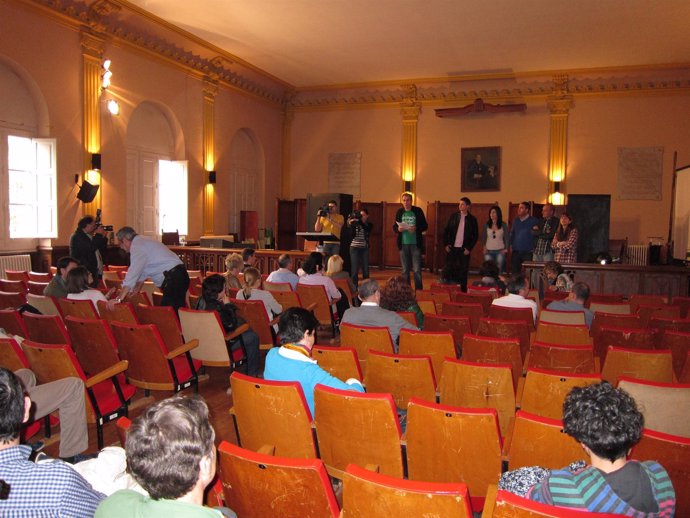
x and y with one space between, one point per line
77 308
673 453
151 365
605 298
506 329
93 343
438 345
437 297
571 359
205 327
552 316
13 323
287 299
663 324
679 344
344 285
367 494
36 288
112 280
637 363
621 337
316 297
11 355
484 300
544 392
122 312
501 351
563 334
139 298
648 311
620 308
458 325
551 296
258 485
123 424
614 320
254 313
46 329
116 268
475 311
637 299
479 385
684 304
340 362
363 429
9 286
17 275
263 411
277 286
540 441
503 313
401 376
490 291
166 321
45 304
40 276
427 307
106 397
449 288
409 316
450 444
364 339
10 300
685 373
663 404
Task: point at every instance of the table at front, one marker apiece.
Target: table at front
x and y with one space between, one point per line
213 259
670 281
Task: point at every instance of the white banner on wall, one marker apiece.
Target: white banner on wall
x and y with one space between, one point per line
345 173
639 173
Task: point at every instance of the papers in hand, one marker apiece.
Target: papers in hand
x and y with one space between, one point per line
403 226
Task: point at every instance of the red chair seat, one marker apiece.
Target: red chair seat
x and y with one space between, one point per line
182 369
108 400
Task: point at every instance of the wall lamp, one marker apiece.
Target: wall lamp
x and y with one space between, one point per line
113 106
96 161
211 177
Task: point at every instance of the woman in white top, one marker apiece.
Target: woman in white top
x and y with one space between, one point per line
251 291
496 238
78 283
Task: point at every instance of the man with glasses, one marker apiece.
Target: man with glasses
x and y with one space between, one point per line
331 223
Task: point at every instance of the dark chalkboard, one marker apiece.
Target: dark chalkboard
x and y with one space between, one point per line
591 215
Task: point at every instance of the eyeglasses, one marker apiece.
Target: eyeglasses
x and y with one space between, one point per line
331 206
494 234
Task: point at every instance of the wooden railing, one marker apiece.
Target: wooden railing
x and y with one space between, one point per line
213 259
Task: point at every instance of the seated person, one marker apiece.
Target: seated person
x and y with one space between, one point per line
213 298
293 361
248 258
490 277
607 423
334 270
371 314
233 266
397 295
252 291
555 278
171 454
313 275
284 272
575 302
518 288
57 287
49 488
79 281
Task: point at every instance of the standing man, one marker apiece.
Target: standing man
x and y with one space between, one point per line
521 238
87 245
409 225
459 237
331 223
152 259
544 232
359 247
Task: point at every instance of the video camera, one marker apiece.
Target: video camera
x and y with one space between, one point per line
97 221
324 211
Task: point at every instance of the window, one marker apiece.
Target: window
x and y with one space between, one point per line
31 189
172 196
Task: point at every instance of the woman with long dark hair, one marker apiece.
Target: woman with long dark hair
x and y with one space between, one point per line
565 241
496 238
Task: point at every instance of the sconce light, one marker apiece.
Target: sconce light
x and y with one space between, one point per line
106 75
211 177
96 161
557 197
408 186
113 107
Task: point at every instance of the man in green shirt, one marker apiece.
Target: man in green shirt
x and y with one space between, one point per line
409 224
57 287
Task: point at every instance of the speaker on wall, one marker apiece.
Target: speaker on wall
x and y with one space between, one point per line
87 192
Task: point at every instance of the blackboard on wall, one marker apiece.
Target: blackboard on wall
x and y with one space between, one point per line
591 215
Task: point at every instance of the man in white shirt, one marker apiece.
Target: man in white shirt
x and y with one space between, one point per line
284 273
518 287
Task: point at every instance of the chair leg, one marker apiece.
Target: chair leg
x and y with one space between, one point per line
46 425
99 432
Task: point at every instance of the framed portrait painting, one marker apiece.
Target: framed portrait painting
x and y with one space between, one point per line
480 169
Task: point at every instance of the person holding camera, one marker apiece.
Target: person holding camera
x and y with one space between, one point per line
359 247
329 221
88 244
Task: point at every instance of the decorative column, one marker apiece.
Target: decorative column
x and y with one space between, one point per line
210 88
559 105
92 47
410 110
286 148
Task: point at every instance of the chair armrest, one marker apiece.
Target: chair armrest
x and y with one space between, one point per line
108 373
237 332
311 307
192 344
490 501
274 321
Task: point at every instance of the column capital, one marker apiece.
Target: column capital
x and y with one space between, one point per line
559 105
410 112
210 89
92 45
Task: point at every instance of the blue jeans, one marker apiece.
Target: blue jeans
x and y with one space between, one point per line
330 249
359 256
411 257
498 257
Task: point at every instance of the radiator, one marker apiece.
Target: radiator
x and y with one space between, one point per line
637 255
14 262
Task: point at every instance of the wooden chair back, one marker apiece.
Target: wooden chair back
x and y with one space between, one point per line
458 325
506 329
648 311
409 316
438 345
93 343
256 485
277 286
475 311
563 334
10 286
638 299
684 304
679 344
552 316
637 363
614 320
622 337
606 298
356 428
287 299
46 329
205 326
540 441
551 296
112 281
165 319
661 404
40 276
484 300
501 351
77 308
364 339
344 285
122 312
116 268
13 323
521 314
620 308
11 355
450 444
437 297
366 494
479 385
402 376
17 275
9 300
663 324
427 307
139 298
45 304
572 359
340 362
36 288
317 296
254 313
491 291
544 392
264 410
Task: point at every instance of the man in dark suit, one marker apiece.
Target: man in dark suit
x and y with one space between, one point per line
459 237
88 244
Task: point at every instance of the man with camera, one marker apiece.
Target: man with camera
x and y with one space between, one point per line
359 246
329 221
88 244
